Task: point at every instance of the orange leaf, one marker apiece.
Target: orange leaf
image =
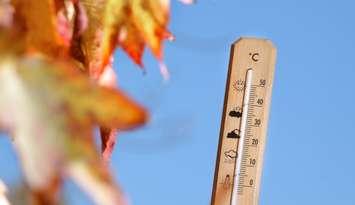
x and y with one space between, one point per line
133 23
41 26
132 43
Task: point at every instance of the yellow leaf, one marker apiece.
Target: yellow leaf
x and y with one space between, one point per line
91 38
133 23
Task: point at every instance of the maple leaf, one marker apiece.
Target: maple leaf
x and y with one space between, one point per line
133 24
50 109
130 24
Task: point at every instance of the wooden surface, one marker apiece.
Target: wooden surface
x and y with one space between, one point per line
258 55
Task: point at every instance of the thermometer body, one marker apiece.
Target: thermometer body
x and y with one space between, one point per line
244 123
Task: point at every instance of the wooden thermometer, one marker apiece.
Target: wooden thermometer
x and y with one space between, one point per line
244 123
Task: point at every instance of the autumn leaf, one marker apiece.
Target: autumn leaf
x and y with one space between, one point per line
79 26
130 24
133 24
57 84
123 23
89 42
39 22
51 109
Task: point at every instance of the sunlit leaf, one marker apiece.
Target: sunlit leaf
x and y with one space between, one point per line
50 110
91 38
40 26
131 43
123 23
57 84
134 23
79 26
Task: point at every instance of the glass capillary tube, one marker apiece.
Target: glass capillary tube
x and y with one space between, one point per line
243 126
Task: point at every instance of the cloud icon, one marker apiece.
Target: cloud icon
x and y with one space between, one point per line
230 154
234 134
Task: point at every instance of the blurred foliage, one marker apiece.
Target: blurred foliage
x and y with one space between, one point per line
57 84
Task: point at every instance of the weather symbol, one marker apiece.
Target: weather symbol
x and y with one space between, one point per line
239 85
230 154
254 56
227 182
234 134
237 112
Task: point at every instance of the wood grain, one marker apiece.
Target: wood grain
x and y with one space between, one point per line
260 56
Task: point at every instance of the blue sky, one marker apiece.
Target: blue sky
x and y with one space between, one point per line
311 140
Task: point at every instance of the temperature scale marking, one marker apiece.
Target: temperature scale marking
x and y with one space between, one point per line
244 123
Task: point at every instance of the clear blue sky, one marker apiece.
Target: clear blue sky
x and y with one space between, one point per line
310 147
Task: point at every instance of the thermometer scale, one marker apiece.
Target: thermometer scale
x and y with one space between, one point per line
244 123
